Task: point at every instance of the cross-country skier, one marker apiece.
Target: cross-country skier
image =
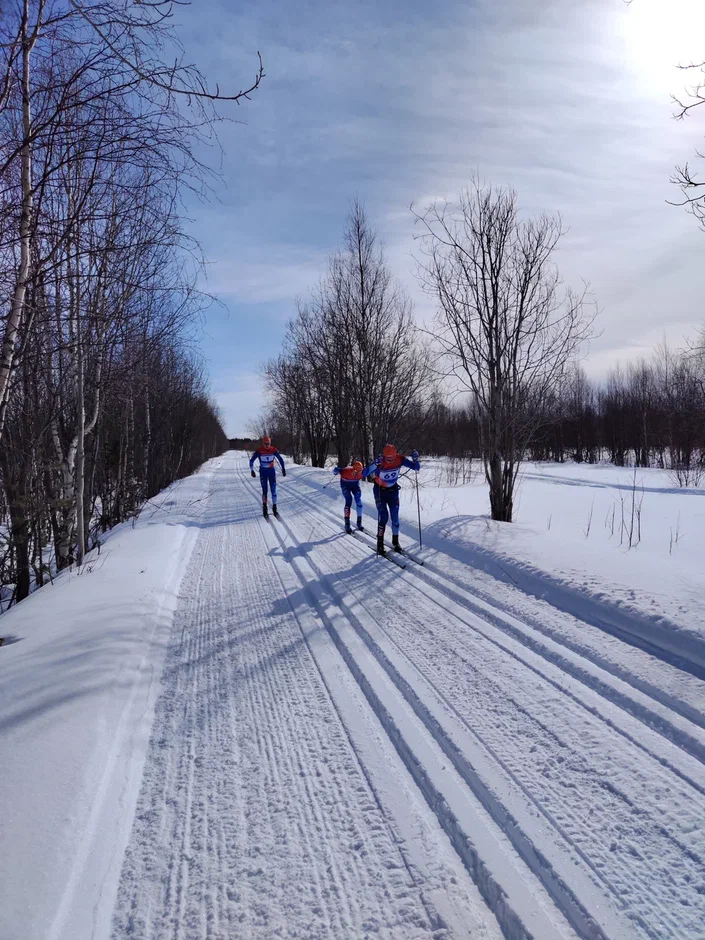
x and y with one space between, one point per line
350 477
385 470
266 455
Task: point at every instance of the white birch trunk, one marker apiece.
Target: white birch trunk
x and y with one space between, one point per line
7 353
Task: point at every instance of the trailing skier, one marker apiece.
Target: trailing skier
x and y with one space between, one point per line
385 469
266 454
350 477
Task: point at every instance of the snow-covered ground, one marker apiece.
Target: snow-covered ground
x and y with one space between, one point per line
570 540
509 740
79 676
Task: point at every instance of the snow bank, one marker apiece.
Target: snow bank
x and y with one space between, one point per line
570 548
567 545
79 675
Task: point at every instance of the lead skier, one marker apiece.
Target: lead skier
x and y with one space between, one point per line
350 477
266 454
385 469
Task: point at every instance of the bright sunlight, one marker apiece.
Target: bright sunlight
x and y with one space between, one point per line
661 35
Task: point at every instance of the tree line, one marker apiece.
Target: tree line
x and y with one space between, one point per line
103 400
356 371
496 377
352 367
650 413
647 414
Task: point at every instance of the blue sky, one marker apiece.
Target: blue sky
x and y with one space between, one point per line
399 103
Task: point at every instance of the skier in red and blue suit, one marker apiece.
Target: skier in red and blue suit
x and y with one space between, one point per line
266 455
385 469
350 477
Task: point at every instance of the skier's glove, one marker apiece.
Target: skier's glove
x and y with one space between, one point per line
283 473
336 470
414 455
253 474
378 460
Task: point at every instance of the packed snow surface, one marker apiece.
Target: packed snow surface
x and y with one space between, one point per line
232 727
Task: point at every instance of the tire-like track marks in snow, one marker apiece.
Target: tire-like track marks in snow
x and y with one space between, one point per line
575 645
629 815
255 817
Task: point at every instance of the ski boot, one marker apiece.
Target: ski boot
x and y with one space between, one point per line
396 546
359 524
274 510
380 545
265 511
348 529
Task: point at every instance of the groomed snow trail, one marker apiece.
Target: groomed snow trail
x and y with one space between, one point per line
346 749
614 809
266 809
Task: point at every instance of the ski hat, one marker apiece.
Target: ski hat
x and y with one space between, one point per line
266 440
389 451
357 465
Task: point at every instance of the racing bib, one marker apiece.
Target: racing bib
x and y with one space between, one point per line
388 477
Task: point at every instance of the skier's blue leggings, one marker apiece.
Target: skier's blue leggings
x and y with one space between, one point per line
387 500
350 490
269 476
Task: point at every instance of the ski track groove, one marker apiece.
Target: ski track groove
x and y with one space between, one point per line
573 907
255 818
439 735
580 829
690 740
591 708
370 783
484 599
493 891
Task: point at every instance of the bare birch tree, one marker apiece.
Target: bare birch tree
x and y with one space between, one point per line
506 327
691 185
63 58
352 353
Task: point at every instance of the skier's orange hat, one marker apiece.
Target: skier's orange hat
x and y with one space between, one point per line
389 451
266 440
357 465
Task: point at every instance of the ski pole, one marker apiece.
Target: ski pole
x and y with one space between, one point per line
418 507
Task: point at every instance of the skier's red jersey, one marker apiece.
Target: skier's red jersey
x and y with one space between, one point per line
351 475
267 455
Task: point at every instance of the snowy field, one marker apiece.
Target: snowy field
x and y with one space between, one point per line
236 728
570 542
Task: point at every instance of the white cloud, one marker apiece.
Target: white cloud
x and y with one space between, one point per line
284 276
398 103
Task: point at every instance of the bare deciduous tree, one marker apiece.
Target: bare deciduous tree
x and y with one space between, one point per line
102 402
356 367
61 63
506 327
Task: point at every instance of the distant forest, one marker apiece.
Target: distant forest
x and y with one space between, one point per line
356 371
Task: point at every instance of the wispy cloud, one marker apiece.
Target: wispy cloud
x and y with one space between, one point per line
394 101
286 274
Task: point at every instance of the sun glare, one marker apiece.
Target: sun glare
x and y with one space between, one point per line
661 35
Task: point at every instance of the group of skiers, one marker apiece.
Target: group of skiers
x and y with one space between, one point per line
383 473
